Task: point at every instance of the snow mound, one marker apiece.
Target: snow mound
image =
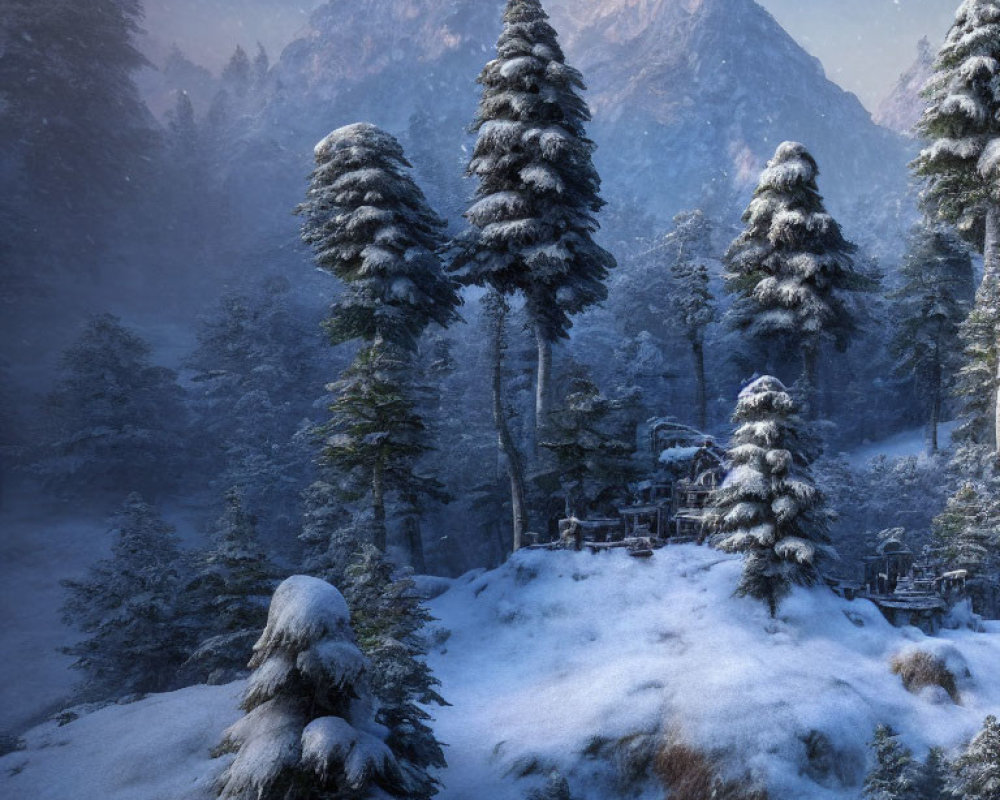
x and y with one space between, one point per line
556 656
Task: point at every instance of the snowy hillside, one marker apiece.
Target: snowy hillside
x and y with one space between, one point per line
588 664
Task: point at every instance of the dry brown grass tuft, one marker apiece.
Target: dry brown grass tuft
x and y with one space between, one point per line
689 774
919 670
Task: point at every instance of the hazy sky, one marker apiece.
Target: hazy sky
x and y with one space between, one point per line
864 44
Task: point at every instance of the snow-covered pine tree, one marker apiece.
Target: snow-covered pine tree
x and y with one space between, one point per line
371 227
227 599
966 531
931 304
533 219
768 506
308 732
961 164
976 773
388 618
691 300
127 607
375 435
892 775
791 268
116 422
962 123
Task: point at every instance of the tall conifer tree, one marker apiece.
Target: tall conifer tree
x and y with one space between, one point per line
534 215
369 225
791 266
932 303
961 163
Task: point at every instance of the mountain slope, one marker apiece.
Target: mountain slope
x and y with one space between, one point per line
902 108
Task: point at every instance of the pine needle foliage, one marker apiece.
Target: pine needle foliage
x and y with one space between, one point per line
389 619
370 226
534 214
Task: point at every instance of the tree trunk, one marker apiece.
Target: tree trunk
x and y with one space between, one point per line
935 407
378 506
810 361
991 262
515 467
543 389
700 391
414 539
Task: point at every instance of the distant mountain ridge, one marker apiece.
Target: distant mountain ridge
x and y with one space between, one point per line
901 109
690 97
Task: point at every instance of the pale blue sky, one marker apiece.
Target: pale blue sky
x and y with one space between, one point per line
863 44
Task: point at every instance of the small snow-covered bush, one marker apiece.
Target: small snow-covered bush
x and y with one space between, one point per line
919 670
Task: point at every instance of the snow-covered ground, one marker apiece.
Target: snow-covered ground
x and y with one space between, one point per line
559 654
899 445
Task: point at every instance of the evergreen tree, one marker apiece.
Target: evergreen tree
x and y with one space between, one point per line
967 531
255 364
370 226
330 532
977 384
791 267
534 216
116 421
932 303
388 619
768 507
691 300
976 773
961 164
237 74
127 607
73 122
229 594
932 775
892 775
592 438
308 732
962 121
261 65
375 435
556 787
